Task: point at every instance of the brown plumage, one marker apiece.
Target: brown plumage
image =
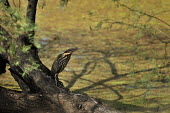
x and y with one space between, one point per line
61 62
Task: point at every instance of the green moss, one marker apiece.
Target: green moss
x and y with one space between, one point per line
12 50
30 67
25 49
2 50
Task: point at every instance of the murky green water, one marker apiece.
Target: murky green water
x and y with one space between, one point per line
118 65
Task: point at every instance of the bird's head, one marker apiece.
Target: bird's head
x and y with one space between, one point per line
69 51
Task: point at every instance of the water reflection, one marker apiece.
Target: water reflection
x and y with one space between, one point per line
44 40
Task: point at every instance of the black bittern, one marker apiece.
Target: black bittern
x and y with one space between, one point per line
61 62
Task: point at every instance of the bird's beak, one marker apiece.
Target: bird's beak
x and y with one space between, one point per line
70 51
75 49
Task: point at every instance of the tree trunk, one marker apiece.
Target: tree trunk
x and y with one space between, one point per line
35 78
39 92
19 102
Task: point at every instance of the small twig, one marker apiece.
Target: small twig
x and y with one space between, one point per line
161 12
143 13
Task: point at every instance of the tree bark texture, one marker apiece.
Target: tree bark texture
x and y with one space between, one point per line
18 102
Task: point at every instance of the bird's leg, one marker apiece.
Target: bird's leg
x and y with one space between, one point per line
56 78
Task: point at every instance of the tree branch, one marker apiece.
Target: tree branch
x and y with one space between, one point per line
17 102
6 3
4 38
3 62
31 10
26 85
31 14
143 13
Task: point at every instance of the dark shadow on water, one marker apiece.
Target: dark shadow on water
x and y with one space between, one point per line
90 67
109 87
117 77
86 70
132 108
122 106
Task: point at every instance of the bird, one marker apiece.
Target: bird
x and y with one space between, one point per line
60 63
